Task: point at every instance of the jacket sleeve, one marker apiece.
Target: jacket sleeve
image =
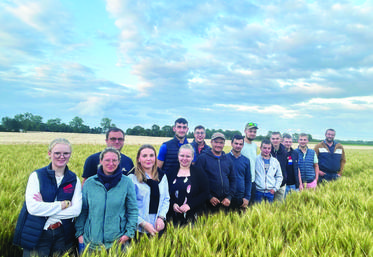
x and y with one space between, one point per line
343 160
76 204
200 182
43 209
132 211
164 202
278 176
248 183
200 164
81 219
232 182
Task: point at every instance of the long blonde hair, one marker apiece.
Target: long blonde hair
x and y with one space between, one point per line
139 172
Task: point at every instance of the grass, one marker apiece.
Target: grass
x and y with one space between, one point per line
334 220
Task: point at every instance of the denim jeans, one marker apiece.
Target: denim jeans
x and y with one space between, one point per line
290 188
260 196
51 243
329 177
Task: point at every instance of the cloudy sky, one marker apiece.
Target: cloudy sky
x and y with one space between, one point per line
291 66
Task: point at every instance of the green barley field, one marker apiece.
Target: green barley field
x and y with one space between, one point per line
334 220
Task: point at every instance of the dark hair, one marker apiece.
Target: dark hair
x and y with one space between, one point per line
181 120
199 127
329 130
285 135
237 137
114 129
265 142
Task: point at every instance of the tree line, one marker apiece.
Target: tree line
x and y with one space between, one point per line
29 122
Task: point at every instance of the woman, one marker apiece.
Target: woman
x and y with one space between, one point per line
109 211
53 199
152 195
188 190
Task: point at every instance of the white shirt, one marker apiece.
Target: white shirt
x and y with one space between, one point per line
249 150
52 210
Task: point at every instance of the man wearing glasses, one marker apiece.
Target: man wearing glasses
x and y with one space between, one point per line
199 143
114 138
249 150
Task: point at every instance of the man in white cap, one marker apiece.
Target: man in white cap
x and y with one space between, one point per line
219 170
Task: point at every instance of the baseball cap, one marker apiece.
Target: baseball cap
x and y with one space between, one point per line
217 135
251 125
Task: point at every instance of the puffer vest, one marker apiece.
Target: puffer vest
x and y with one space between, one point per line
29 227
171 163
307 171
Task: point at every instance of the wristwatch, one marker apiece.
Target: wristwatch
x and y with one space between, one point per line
162 218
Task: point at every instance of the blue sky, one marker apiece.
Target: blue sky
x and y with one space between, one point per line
290 66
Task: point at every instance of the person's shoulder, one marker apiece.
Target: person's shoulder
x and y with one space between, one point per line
90 181
94 156
125 157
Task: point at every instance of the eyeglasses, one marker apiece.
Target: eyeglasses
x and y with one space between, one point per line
199 133
114 161
58 154
114 139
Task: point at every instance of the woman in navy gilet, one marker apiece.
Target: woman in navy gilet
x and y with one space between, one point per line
53 199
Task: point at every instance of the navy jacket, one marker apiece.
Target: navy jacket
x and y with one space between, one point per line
205 149
220 173
281 156
241 167
29 227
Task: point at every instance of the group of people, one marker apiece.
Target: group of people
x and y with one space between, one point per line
117 198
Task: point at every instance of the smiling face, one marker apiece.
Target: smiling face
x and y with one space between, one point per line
288 142
180 130
109 163
146 159
60 156
303 141
115 139
185 157
266 150
199 135
237 145
276 140
217 146
329 136
250 133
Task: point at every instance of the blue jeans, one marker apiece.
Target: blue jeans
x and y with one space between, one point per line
329 177
260 196
290 188
51 243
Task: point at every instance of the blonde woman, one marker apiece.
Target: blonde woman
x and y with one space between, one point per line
151 188
53 199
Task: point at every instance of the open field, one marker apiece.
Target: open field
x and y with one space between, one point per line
81 138
334 220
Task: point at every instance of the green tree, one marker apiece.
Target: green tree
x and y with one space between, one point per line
106 124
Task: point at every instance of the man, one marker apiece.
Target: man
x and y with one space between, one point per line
292 170
278 152
332 158
219 170
268 174
308 163
199 143
241 167
167 156
114 138
249 150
